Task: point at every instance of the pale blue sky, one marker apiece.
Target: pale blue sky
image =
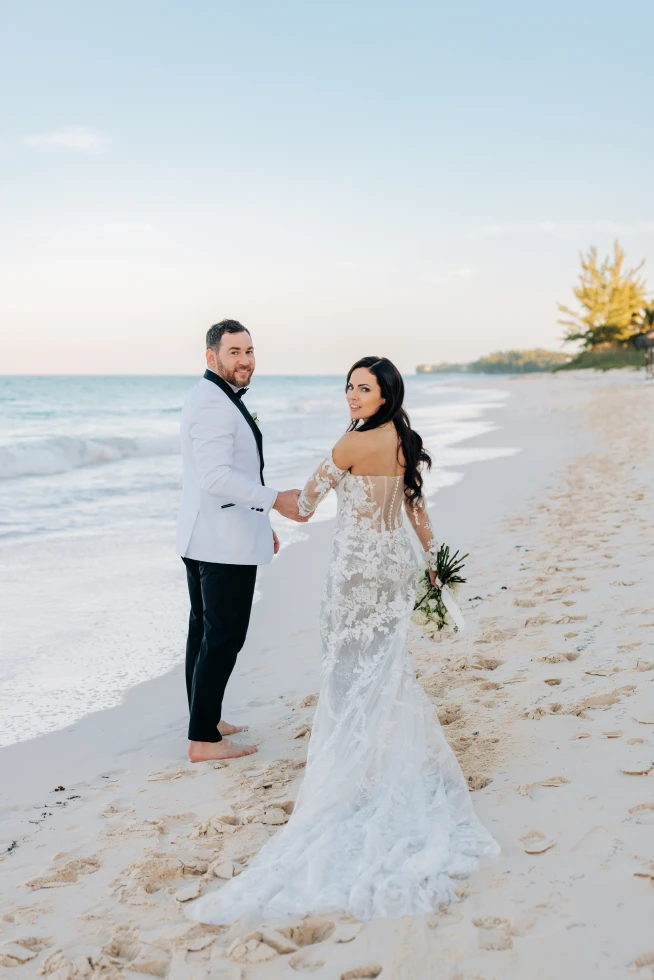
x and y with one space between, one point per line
409 179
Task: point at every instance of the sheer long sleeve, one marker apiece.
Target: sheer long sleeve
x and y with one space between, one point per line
418 515
325 478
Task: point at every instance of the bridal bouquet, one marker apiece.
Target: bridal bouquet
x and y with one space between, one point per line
436 608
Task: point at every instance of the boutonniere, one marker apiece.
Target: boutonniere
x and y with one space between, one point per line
255 418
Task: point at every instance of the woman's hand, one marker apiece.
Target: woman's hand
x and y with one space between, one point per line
275 544
434 579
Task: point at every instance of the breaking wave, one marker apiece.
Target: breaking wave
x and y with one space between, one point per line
62 453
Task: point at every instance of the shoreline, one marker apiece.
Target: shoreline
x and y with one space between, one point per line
91 565
111 604
146 703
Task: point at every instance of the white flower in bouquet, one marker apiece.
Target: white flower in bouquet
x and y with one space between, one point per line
435 607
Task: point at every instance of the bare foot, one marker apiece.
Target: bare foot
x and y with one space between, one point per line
210 751
225 728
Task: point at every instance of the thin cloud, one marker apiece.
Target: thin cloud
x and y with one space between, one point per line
491 231
448 274
89 233
619 229
124 228
565 229
83 139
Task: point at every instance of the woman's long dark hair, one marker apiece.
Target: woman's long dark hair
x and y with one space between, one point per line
392 391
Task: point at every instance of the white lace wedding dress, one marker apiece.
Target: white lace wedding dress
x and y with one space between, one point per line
383 821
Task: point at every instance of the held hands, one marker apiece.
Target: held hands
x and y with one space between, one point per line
287 505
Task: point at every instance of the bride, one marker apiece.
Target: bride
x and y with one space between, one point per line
383 822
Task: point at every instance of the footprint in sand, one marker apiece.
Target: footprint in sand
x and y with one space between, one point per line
450 713
643 813
310 931
171 774
553 781
67 873
640 765
16 952
264 944
251 951
536 713
478 782
536 842
609 699
368 972
487 663
124 951
497 636
646 872
643 963
306 962
495 933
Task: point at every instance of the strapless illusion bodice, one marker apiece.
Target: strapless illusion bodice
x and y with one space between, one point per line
374 502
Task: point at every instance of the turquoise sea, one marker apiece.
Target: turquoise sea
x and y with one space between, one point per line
93 598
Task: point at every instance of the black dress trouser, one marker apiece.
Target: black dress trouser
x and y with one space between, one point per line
221 602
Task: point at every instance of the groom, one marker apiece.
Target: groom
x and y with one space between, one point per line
223 531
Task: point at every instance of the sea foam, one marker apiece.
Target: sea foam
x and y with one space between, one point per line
59 454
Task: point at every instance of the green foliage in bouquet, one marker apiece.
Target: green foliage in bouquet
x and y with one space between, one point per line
448 566
429 610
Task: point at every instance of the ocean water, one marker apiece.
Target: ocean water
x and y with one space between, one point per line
93 596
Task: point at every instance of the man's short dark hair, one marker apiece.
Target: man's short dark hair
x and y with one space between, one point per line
215 333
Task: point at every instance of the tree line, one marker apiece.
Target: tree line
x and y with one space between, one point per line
503 362
615 309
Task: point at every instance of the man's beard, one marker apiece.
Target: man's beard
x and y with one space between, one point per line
228 375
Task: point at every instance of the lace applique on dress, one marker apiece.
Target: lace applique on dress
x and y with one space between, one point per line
418 515
383 823
327 476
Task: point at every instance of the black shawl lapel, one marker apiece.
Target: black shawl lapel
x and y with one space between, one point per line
238 402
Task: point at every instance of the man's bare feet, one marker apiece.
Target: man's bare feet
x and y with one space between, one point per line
225 728
212 751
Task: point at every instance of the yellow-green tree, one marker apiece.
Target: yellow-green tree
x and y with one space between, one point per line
611 297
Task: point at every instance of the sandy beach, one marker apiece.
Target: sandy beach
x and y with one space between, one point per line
107 832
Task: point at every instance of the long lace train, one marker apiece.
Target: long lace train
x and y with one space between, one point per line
383 824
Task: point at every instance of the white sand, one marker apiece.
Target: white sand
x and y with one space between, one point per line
562 540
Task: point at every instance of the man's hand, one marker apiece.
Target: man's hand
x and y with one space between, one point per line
275 544
286 505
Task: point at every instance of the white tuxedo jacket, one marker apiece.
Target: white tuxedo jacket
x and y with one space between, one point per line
223 515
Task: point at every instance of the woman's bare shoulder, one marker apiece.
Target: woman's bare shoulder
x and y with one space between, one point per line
351 447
